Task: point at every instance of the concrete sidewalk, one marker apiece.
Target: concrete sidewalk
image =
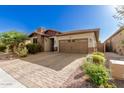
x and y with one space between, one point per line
7 81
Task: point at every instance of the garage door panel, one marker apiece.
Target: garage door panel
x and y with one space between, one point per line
80 46
65 46
74 46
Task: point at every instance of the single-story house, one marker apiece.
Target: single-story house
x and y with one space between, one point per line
115 43
80 41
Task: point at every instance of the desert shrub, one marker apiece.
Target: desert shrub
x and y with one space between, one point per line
109 85
33 48
89 58
97 73
2 48
99 53
85 65
21 50
97 59
12 39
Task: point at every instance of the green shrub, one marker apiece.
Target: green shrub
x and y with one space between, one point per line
110 85
97 59
22 50
33 48
97 73
2 48
99 53
86 64
89 58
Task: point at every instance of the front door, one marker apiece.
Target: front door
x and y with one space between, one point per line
52 44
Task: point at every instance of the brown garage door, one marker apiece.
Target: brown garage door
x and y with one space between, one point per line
74 46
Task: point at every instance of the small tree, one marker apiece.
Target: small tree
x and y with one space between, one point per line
12 38
119 16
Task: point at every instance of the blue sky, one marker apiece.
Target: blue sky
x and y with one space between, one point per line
61 18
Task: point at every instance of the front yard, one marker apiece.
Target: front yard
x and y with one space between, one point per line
79 80
52 69
44 69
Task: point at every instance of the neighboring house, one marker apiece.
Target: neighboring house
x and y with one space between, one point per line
81 41
114 42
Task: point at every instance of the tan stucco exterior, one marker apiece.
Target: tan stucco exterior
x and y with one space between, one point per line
47 44
44 41
116 42
28 41
90 36
49 41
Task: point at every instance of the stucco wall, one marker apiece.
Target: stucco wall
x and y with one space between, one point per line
116 42
31 38
90 36
47 44
92 43
27 41
40 40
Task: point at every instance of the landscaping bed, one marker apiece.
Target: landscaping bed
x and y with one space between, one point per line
5 56
79 80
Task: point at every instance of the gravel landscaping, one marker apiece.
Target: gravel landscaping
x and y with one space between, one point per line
119 83
5 56
79 80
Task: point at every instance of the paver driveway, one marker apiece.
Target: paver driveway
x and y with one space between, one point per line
44 69
55 61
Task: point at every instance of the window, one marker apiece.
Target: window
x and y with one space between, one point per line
34 40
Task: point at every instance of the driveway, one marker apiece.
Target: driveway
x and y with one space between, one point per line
114 56
44 69
53 60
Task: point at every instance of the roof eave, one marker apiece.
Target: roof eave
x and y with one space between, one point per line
96 32
38 34
118 31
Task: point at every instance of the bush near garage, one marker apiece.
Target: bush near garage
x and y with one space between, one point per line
97 59
33 48
99 53
97 73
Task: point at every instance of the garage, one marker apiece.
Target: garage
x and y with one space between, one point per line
74 46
